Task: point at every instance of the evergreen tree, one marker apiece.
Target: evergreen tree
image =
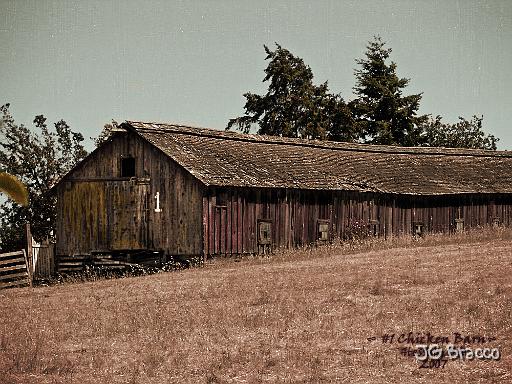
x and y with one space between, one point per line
293 105
381 113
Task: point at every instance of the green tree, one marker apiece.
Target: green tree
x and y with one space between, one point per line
39 160
105 133
381 112
293 105
463 134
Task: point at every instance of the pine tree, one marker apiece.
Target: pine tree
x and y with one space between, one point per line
293 105
381 113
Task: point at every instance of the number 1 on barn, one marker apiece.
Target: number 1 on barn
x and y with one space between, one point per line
157 198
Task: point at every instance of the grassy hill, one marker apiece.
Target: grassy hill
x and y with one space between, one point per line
305 316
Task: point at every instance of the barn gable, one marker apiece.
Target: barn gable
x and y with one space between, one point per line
102 207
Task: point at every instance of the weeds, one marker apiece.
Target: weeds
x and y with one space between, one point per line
297 316
95 273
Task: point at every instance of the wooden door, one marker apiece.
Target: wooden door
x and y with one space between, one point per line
129 217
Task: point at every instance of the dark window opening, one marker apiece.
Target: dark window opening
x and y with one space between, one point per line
417 229
127 167
264 232
221 199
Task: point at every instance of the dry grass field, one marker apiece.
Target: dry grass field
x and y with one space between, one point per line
296 317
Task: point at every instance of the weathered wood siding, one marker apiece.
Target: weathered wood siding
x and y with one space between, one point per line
98 210
231 215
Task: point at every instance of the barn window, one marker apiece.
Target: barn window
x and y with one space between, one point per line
128 167
264 232
323 230
221 200
459 224
418 228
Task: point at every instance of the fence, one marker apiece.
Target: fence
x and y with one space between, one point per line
21 268
41 257
43 264
13 270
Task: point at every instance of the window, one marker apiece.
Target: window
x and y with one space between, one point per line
127 167
417 228
496 222
221 199
459 225
264 232
323 230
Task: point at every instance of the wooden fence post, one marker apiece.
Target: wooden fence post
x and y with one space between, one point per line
29 271
30 254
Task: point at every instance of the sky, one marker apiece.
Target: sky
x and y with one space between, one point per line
190 62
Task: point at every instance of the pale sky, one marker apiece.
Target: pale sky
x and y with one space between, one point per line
190 61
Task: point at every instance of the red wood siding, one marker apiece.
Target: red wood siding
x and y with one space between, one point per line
295 215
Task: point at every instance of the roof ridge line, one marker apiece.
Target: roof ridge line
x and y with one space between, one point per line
213 133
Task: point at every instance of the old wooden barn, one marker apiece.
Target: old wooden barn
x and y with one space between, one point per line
186 191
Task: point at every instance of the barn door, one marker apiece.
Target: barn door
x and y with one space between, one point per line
129 221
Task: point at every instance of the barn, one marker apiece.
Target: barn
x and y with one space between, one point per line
183 191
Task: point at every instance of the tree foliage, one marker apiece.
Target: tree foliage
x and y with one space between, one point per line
293 105
38 159
382 113
463 134
105 133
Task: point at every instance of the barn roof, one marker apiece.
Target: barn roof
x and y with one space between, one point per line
220 158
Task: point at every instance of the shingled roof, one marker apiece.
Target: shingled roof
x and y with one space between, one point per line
220 158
